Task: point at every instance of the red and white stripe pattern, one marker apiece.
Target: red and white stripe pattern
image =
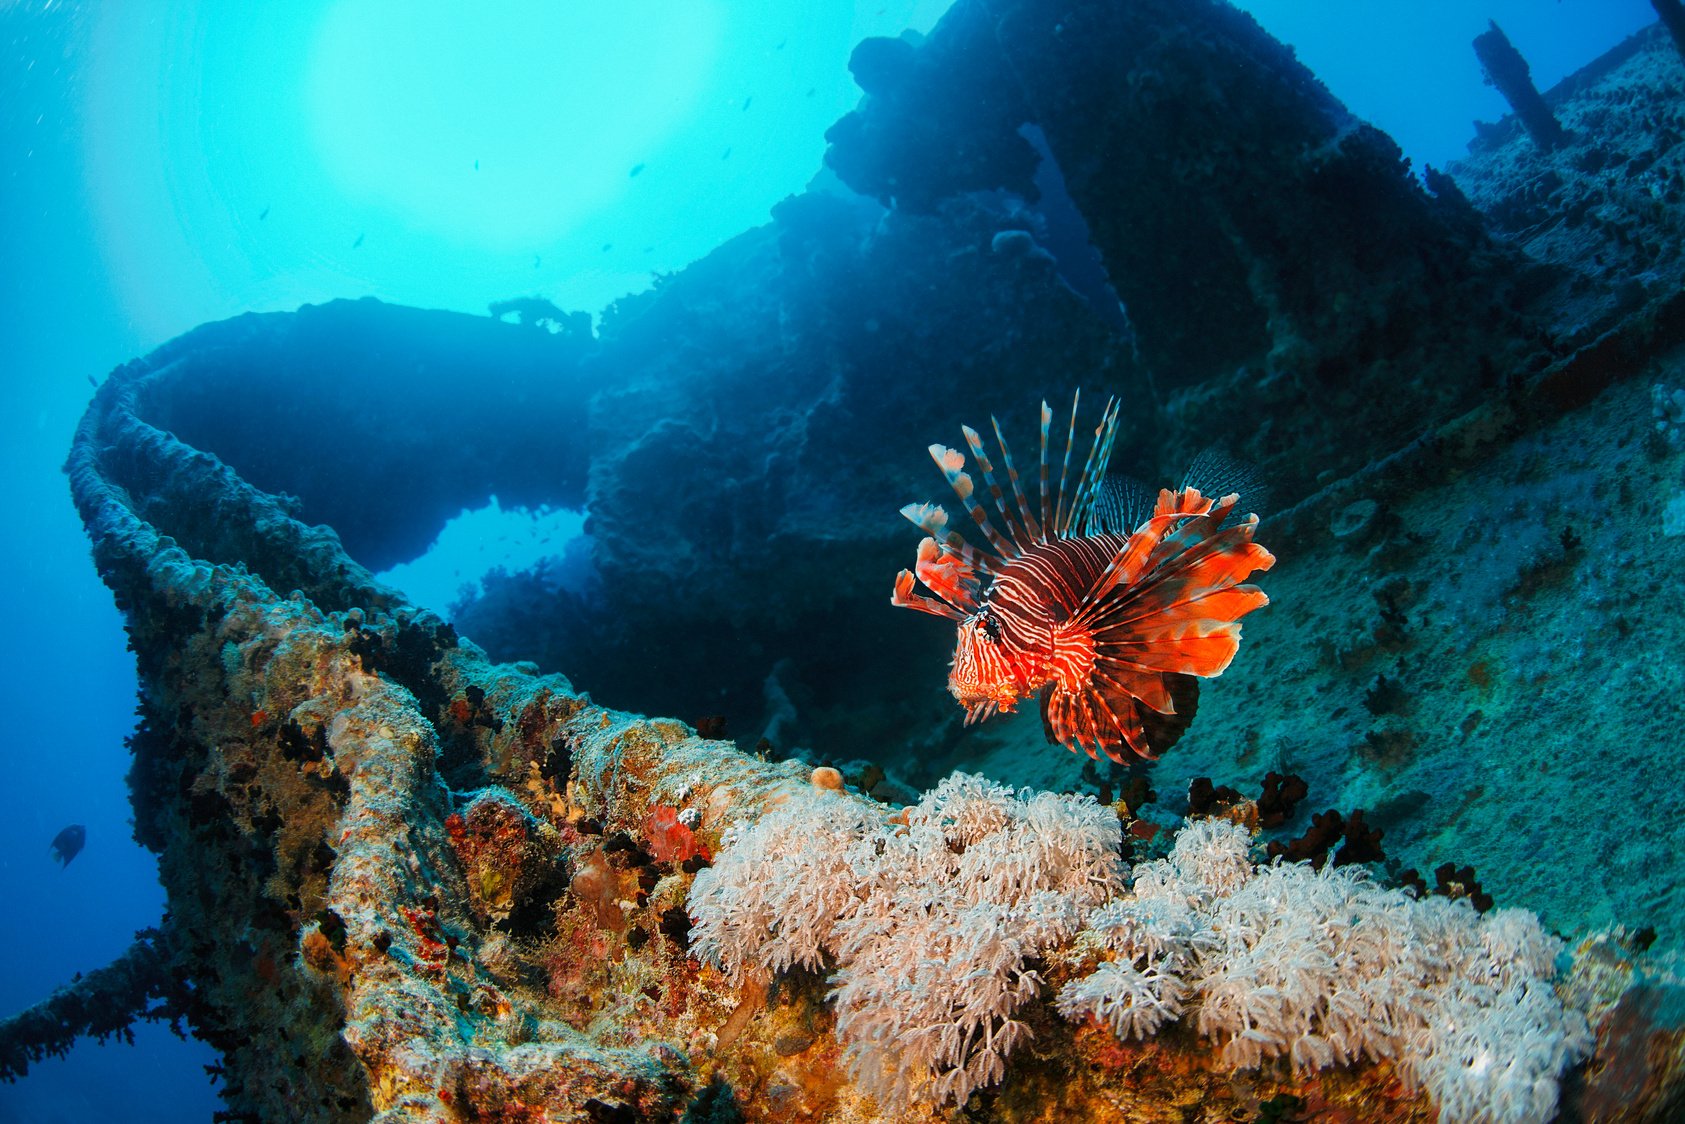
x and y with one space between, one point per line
1110 629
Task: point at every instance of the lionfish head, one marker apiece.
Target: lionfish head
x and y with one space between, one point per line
982 677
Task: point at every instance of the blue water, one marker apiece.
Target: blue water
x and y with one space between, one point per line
167 163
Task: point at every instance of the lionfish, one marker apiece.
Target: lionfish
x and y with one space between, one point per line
1110 625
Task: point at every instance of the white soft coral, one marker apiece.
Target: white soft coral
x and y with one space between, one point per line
933 925
929 924
1325 967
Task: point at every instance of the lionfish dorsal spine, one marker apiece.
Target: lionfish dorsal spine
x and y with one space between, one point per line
1046 499
1064 470
1014 532
1030 526
1078 516
952 464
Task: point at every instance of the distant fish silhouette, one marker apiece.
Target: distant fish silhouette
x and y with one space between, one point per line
747 100
636 168
535 260
726 153
476 165
263 214
67 844
781 43
810 90
607 246
358 242
93 382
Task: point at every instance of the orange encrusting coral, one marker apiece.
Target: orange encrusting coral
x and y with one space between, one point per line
1110 628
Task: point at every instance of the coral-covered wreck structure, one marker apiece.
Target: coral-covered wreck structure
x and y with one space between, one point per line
408 881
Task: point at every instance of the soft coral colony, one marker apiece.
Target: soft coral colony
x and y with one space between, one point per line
938 922
936 929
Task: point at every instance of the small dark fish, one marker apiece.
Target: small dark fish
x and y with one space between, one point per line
810 90
476 165
358 242
726 153
536 260
636 168
263 214
607 246
781 43
747 100
67 844
93 382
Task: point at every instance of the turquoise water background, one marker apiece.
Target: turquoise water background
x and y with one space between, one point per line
167 163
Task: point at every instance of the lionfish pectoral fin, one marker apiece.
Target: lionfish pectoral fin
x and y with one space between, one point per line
904 597
948 575
931 518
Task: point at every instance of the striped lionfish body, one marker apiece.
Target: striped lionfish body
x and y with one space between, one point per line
1112 627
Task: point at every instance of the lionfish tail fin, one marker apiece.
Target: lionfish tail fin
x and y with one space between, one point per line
1216 473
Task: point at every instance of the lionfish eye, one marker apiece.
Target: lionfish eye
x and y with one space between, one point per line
991 626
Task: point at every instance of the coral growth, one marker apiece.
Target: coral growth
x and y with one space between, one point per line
931 922
935 924
1324 967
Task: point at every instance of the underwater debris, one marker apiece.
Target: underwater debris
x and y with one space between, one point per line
1354 521
1508 71
101 1004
